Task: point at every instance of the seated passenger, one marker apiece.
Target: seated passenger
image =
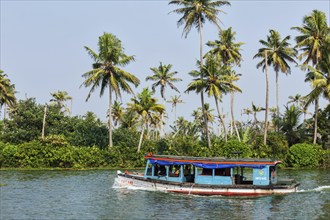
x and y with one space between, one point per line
162 171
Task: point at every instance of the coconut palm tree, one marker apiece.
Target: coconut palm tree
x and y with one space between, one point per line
117 112
194 14
280 53
234 77
218 82
229 51
107 71
290 124
7 92
145 105
264 55
59 97
175 100
255 109
296 100
314 34
226 48
163 77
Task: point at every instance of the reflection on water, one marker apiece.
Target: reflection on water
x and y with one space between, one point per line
89 195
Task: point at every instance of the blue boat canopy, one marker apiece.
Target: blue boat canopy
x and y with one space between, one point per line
205 164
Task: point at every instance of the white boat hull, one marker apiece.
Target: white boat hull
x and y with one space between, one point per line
139 182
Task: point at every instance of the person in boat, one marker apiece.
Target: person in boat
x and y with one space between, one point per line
177 170
162 171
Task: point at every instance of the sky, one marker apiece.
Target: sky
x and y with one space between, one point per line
42 48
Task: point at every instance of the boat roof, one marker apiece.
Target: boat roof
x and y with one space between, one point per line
216 162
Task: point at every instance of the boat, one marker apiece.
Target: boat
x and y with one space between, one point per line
208 176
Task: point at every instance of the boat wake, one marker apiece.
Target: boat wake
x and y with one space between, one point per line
317 189
116 185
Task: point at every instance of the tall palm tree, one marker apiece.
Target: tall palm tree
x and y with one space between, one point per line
107 71
145 105
163 76
280 53
195 13
229 51
314 35
264 53
218 82
59 97
175 101
225 46
234 77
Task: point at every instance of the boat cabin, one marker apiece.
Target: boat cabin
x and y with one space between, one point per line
211 171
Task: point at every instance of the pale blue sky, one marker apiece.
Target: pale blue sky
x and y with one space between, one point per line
42 47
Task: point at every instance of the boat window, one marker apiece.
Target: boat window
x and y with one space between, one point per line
174 171
162 171
187 170
222 172
207 172
149 170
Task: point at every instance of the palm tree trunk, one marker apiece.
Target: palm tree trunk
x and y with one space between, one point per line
221 119
110 118
232 114
315 120
174 112
277 105
140 141
4 111
202 94
44 123
267 96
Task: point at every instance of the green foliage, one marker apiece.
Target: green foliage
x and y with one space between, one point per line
259 149
25 124
304 155
235 146
125 137
278 145
324 127
37 154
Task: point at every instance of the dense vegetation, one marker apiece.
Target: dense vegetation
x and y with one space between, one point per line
33 135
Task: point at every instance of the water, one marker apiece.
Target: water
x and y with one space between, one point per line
90 195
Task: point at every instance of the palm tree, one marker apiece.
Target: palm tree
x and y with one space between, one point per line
107 71
290 124
175 101
145 105
279 54
229 51
296 100
163 77
217 82
234 77
117 112
247 112
195 13
255 109
314 35
7 92
59 97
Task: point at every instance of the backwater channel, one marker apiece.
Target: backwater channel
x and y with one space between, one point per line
90 195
